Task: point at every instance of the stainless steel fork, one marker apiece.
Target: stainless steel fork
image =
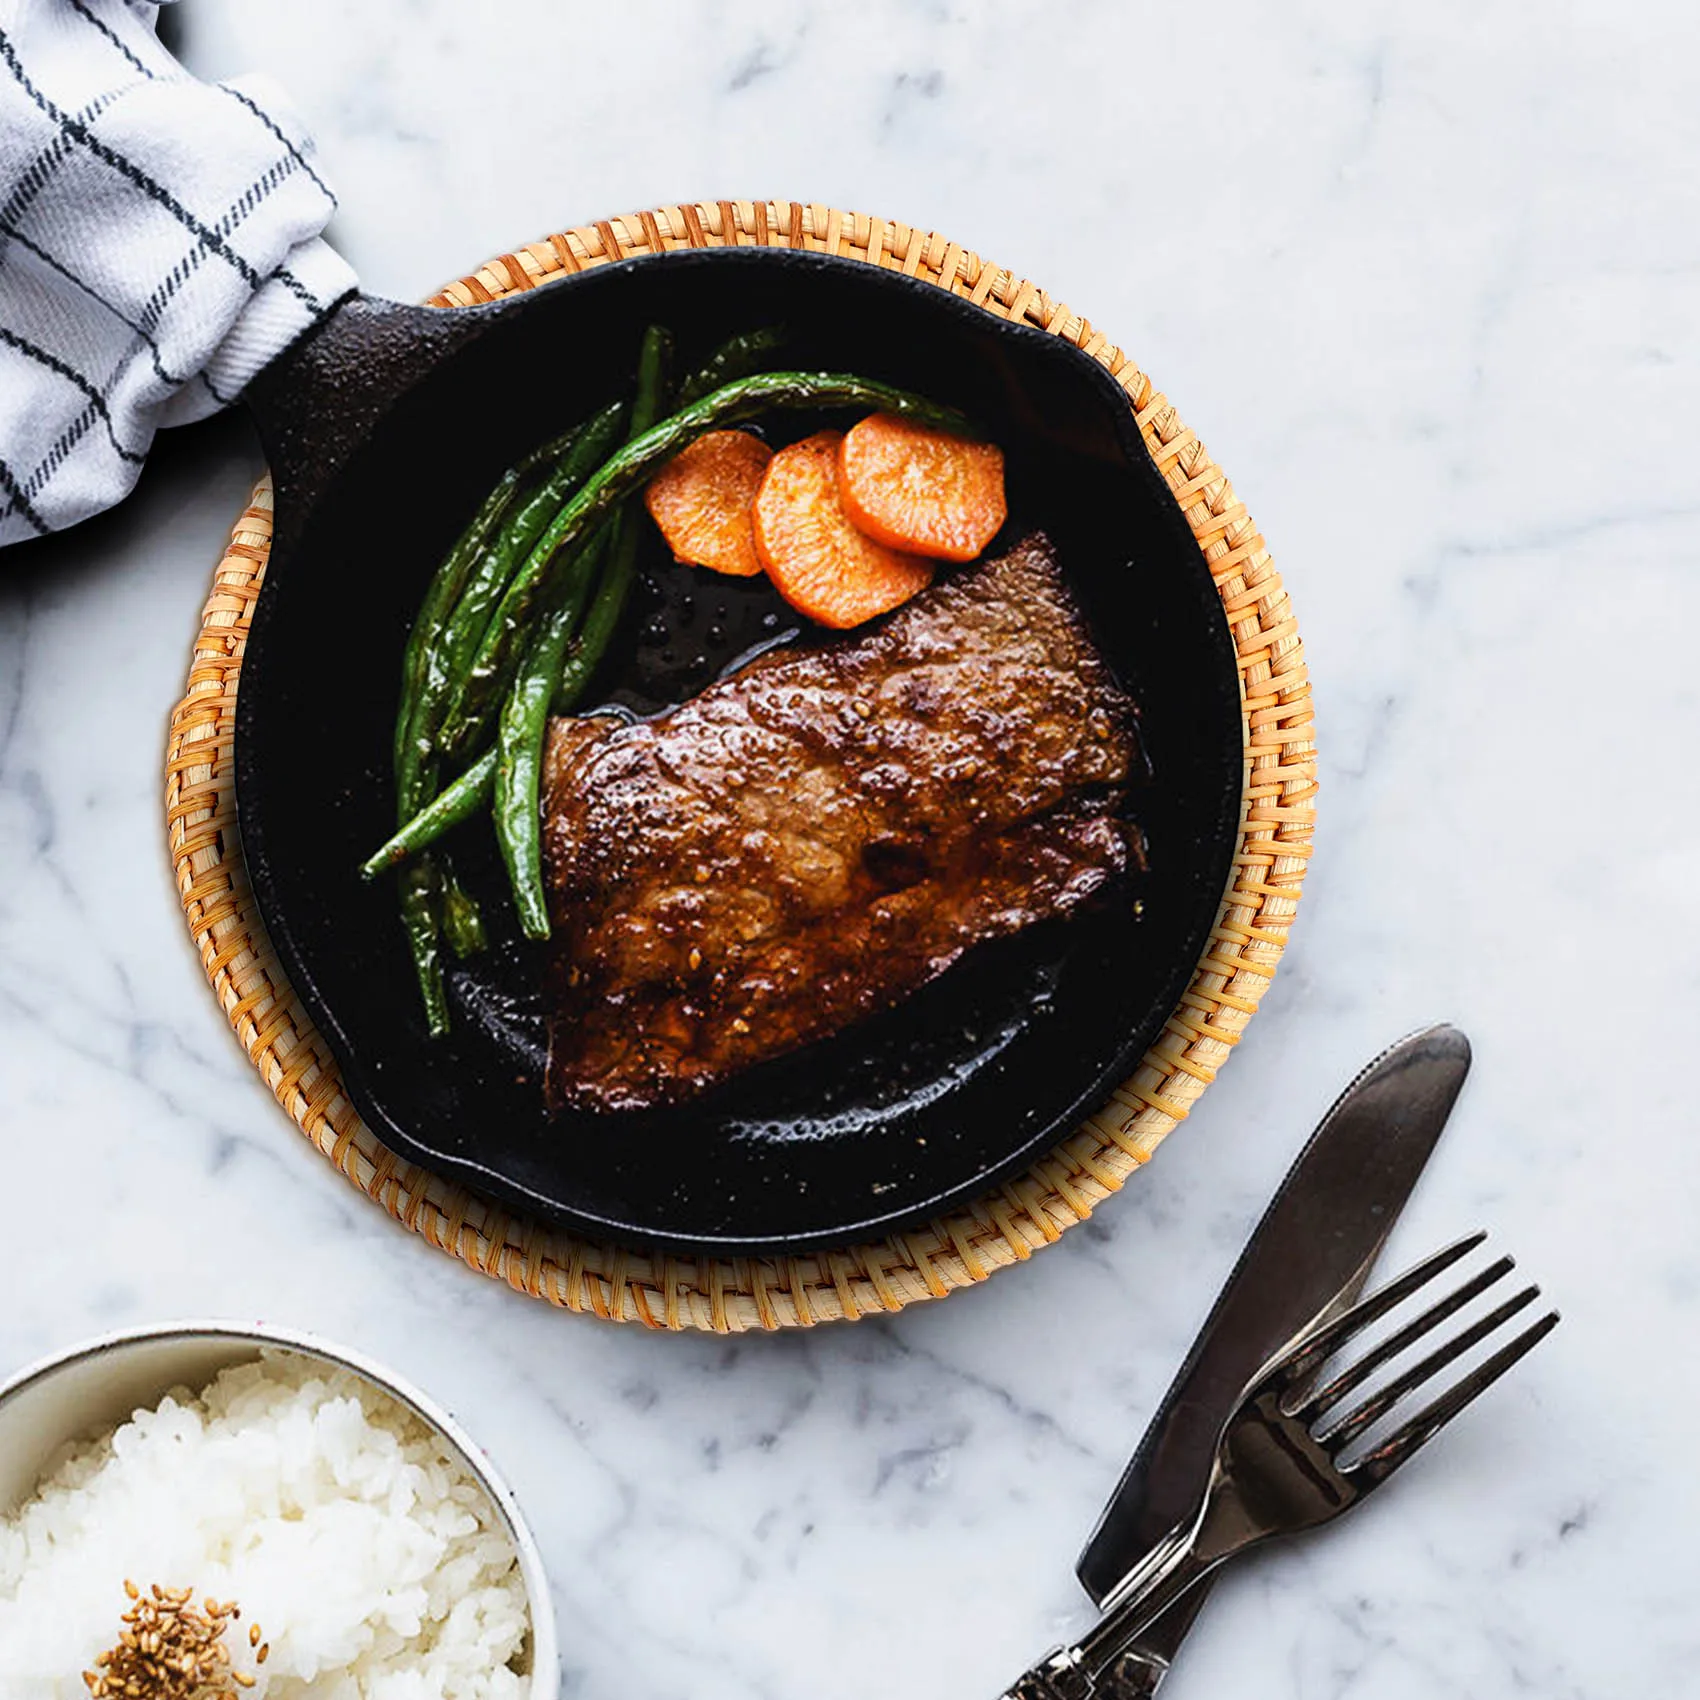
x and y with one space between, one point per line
1279 1466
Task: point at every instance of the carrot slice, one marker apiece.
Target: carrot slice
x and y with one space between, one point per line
920 490
701 500
823 566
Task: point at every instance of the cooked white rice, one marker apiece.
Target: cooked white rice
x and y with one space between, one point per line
377 1569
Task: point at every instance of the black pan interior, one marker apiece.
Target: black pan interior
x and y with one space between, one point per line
881 1126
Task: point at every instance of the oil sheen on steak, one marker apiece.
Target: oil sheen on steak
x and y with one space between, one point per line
811 839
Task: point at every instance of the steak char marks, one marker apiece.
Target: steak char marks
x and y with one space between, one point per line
810 840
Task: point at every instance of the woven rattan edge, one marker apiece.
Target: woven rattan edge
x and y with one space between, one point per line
1007 1225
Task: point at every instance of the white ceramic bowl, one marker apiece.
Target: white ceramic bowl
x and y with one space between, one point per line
98 1384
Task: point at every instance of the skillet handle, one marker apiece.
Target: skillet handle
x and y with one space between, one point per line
320 398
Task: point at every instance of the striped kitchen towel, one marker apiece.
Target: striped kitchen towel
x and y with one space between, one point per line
159 243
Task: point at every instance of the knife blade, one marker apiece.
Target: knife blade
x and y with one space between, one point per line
1308 1258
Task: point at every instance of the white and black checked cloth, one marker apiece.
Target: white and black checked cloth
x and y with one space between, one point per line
159 243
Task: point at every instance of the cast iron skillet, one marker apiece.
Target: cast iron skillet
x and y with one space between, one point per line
384 428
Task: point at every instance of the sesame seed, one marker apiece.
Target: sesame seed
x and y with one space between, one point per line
169 1650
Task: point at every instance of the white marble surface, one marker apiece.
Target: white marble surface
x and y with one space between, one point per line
1424 278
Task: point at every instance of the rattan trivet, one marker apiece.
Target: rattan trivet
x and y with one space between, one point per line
1006 1226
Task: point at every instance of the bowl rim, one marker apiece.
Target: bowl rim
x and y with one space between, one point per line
545 1651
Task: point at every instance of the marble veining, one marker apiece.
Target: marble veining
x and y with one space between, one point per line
1424 281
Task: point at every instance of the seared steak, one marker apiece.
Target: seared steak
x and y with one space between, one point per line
813 838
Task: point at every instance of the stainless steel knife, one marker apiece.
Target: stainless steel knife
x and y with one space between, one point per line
1308 1259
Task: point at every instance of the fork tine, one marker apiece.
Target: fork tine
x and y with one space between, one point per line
1401 1446
1348 1428
1322 1345
1355 1376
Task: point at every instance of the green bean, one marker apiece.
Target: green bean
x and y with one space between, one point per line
460 640
520 731
600 621
609 603
414 773
463 921
429 899
446 589
623 473
462 800
441 597
452 805
419 917
736 357
524 720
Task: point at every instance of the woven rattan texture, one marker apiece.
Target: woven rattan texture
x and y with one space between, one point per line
1007 1225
